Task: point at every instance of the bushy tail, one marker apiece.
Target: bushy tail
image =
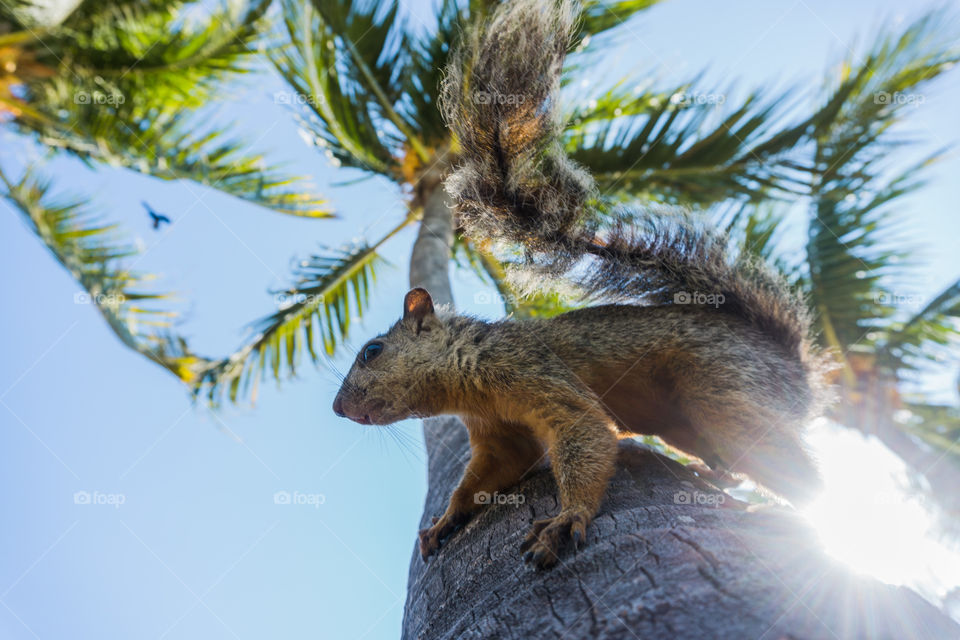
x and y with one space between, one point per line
515 183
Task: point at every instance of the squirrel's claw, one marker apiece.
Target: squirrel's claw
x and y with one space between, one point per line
432 538
577 539
547 537
429 542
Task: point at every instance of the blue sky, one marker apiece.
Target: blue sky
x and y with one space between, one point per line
199 548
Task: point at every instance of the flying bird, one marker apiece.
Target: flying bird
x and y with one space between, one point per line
158 218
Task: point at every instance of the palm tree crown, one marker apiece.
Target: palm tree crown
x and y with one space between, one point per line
126 83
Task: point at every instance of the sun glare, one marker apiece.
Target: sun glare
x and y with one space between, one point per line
869 519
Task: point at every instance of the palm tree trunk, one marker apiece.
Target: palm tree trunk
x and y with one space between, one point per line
430 260
668 557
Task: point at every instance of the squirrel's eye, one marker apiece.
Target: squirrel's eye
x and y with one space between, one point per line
371 351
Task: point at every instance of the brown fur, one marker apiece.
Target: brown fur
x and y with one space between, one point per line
704 381
732 384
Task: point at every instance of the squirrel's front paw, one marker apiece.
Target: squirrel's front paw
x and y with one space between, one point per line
432 538
547 537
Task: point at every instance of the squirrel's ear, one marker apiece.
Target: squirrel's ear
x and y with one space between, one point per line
417 307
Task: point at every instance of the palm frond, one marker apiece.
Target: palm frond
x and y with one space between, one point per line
619 101
854 248
854 253
338 115
95 255
329 289
375 56
544 303
922 337
427 56
373 38
697 148
936 424
758 230
180 146
97 9
15 20
124 88
156 59
685 147
601 15
174 52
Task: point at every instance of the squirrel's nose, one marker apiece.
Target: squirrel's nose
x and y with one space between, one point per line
338 407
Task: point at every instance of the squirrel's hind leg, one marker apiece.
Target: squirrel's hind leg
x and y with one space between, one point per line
763 444
779 462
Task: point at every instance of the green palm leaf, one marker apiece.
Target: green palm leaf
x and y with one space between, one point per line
124 87
178 146
95 256
601 15
329 289
427 56
936 424
492 270
758 230
374 53
175 52
917 339
337 115
684 147
853 248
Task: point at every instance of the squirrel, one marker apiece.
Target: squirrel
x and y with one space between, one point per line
732 382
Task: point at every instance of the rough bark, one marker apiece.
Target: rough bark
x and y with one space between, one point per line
656 565
430 260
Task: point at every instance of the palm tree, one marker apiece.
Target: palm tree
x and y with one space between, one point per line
855 268
126 82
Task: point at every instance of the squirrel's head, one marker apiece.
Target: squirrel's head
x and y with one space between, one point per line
391 378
